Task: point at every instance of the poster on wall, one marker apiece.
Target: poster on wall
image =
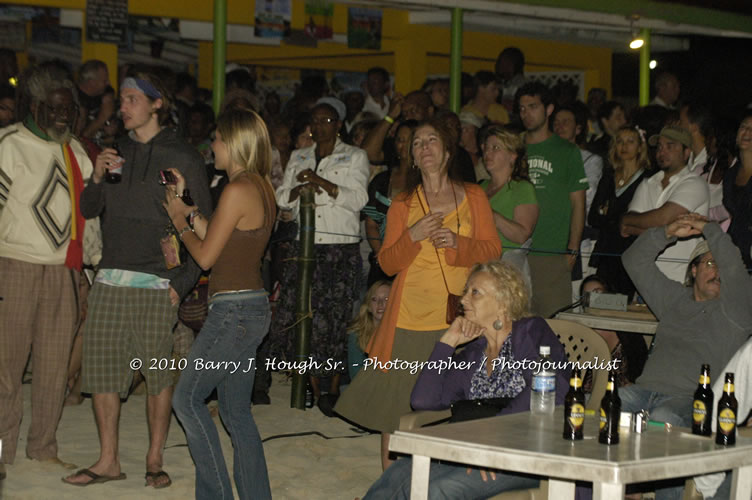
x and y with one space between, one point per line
319 19
363 28
273 18
106 20
13 35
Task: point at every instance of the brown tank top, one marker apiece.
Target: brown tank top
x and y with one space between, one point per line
239 265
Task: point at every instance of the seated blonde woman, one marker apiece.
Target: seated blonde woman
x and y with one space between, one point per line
495 325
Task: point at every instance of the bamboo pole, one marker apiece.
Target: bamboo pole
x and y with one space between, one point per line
220 52
304 316
645 68
455 62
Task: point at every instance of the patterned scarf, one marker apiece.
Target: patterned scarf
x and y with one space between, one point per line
74 259
504 382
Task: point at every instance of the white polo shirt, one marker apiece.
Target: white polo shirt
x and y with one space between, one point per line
685 189
696 161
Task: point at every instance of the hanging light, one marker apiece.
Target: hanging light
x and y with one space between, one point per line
637 41
653 64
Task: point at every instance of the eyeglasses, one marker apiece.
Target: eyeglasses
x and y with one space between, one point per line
710 263
323 121
70 110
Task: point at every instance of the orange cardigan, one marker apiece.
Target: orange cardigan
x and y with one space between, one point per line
398 252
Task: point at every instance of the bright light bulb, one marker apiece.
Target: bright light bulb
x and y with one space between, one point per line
636 43
653 64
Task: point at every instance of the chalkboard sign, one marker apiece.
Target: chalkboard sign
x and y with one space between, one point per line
106 20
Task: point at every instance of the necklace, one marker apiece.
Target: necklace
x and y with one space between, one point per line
623 178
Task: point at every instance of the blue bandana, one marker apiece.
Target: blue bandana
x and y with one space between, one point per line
141 85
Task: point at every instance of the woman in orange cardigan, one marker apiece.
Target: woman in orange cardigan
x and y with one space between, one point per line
436 230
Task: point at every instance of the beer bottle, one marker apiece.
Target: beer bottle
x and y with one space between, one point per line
610 412
115 174
727 406
702 407
186 197
574 408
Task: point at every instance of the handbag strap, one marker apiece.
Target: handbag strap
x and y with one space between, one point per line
443 276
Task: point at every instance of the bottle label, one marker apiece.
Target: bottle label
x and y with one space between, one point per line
610 386
576 415
699 411
575 382
727 387
727 420
704 379
604 419
544 383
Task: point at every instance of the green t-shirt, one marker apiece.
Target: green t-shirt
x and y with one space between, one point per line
556 170
506 199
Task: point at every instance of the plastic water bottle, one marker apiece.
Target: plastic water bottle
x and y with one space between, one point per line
543 394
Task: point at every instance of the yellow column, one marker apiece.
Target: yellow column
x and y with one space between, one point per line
106 52
410 65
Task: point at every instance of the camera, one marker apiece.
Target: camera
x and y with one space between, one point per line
166 177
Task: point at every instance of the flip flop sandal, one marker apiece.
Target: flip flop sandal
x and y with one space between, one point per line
95 478
154 476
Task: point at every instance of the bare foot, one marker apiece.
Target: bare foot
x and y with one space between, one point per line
157 479
57 461
155 476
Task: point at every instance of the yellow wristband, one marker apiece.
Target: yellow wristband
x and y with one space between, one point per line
388 119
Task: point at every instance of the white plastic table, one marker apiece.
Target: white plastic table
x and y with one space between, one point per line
534 445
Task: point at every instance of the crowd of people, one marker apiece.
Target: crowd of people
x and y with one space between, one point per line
433 230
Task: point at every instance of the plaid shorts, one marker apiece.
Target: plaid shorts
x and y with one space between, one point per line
127 329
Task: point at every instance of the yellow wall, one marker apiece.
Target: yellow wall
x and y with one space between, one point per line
410 52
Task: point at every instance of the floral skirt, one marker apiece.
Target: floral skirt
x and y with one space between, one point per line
335 289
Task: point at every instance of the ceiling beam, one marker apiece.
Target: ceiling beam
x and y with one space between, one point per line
661 17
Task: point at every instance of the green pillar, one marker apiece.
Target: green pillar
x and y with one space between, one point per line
303 317
645 67
220 52
455 62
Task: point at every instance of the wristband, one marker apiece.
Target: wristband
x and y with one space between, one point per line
388 119
192 216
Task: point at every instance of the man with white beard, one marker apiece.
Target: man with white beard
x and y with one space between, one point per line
42 174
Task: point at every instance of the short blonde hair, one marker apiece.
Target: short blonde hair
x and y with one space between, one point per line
514 143
510 287
247 140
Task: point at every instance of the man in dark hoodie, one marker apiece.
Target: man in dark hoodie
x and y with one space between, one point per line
134 301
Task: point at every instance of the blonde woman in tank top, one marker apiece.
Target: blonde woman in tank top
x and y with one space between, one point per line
232 244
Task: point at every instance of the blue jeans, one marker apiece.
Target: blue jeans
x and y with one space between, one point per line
447 481
676 410
221 357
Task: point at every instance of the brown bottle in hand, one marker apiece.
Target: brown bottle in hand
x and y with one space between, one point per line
725 433
574 408
114 174
186 197
702 406
610 412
